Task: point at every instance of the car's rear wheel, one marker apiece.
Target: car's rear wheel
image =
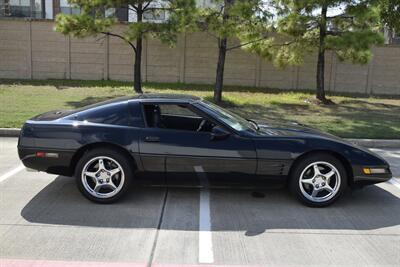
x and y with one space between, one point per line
103 175
318 180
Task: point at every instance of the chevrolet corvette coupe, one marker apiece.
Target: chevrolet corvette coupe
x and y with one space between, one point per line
180 140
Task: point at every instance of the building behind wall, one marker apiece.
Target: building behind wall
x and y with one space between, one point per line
31 49
24 8
48 9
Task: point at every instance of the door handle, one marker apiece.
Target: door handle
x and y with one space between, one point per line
152 139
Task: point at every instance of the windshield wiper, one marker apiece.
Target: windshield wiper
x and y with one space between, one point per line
254 123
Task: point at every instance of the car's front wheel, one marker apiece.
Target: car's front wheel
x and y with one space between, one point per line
318 180
103 175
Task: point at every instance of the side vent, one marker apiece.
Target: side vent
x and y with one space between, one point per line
273 167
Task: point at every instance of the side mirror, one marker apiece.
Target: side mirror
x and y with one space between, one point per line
218 133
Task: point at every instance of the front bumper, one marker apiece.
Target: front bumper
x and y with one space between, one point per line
360 178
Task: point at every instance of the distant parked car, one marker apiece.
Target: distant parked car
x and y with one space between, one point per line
182 140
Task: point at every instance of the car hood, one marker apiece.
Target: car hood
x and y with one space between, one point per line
291 129
295 130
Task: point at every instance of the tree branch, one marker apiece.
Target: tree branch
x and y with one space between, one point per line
285 44
216 13
146 5
121 37
334 33
250 42
344 16
212 35
133 8
220 11
258 40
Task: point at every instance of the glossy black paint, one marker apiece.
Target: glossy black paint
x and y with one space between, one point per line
172 157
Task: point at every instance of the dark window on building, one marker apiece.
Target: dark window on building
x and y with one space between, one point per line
396 39
122 13
22 8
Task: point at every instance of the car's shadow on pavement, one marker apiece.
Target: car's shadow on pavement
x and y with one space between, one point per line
370 208
60 203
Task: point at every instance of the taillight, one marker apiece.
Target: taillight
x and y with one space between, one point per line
41 154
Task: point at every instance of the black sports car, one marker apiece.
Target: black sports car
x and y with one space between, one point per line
184 140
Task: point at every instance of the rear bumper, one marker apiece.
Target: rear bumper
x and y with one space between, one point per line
55 165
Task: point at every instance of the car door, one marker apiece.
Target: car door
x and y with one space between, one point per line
193 157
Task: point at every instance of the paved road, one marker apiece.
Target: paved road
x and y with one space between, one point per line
44 221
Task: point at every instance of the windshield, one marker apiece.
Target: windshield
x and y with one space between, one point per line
235 121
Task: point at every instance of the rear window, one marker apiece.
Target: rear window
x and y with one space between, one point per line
115 114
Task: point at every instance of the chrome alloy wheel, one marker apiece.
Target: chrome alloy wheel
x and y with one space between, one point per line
319 181
102 177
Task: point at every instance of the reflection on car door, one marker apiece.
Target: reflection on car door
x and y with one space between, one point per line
185 152
225 162
182 153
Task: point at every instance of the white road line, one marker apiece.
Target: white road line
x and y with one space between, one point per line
206 254
12 172
394 182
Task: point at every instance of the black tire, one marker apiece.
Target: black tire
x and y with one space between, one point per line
106 154
304 166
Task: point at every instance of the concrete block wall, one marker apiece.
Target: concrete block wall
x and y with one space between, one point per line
49 52
15 53
201 54
384 71
32 50
162 62
87 58
120 58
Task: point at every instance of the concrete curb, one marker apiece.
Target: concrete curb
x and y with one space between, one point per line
9 132
376 143
371 143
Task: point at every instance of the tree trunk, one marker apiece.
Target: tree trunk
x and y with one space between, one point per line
220 70
320 94
222 49
137 75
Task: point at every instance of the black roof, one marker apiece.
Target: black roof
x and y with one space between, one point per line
149 97
168 97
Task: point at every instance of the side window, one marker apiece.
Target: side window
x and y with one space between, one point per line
115 114
175 117
177 110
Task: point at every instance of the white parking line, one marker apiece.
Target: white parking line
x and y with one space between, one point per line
12 172
394 182
206 254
